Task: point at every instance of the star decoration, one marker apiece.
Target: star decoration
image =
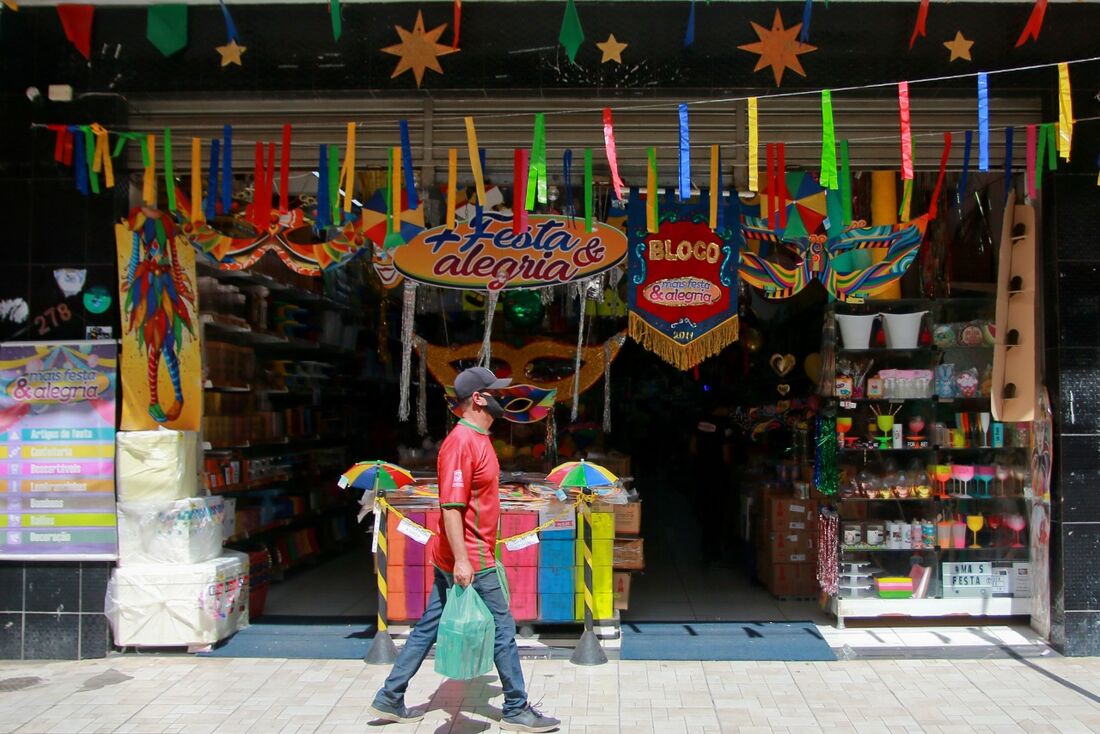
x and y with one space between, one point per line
231 53
612 50
419 49
779 48
959 47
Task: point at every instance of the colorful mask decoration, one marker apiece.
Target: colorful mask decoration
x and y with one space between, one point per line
522 403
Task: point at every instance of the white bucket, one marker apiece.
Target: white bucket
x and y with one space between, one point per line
903 329
855 331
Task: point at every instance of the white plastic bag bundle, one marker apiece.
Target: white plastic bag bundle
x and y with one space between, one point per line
177 532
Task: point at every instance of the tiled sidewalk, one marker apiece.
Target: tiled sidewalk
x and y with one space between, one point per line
152 694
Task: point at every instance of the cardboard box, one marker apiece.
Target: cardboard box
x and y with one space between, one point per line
524 606
157 466
791 579
788 513
791 547
628 518
557 607
522 579
564 518
620 589
629 554
603 525
557 554
557 580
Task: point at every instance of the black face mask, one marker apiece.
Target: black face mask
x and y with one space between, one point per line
493 406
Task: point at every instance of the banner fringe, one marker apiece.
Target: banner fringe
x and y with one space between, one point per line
683 356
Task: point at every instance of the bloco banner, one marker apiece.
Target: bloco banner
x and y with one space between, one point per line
57 449
683 282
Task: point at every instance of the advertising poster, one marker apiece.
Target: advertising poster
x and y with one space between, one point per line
57 449
161 363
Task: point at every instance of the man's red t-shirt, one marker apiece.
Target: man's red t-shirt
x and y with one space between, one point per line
469 480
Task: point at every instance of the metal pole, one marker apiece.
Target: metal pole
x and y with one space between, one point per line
382 650
588 650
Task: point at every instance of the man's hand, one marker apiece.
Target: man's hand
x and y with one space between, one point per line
464 573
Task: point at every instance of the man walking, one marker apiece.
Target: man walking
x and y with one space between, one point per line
464 553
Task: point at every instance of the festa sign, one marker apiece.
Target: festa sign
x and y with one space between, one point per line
486 254
683 289
57 445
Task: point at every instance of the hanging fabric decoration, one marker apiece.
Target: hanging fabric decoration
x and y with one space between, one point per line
829 177
571 35
76 21
324 211
570 206
347 172
269 184
754 145
393 237
781 174
684 191
150 176
1052 142
828 551
807 14
983 122
607 384
101 160
826 474
1034 24
166 27
1040 155
1029 170
258 177
536 174
89 157
475 161
773 188
63 144
457 23
337 21
968 142
546 295
334 184
612 154
284 172
408 318
689 34
715 194
920 28
80 165
1065 112
845 183
227 170
720 213
452 185
906 132
519 192
422 386
582 295
1009 186
212 180
411 196
906 201
232 51
588 190
651 192
933 207
485 356
169 173
196 182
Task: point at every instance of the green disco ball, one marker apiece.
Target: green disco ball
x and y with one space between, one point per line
523 308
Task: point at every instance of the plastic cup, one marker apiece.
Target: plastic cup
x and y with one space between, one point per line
958 534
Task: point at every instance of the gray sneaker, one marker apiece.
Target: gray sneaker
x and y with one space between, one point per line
529 720
395 714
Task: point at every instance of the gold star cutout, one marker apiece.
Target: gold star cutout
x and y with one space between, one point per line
612 50
419 50
960 47
231 53
779 48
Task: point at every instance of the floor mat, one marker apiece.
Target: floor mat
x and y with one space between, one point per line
723 641
335 641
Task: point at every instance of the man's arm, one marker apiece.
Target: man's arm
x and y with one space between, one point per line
454 527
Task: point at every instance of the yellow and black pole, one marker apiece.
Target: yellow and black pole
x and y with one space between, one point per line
382 650
588 650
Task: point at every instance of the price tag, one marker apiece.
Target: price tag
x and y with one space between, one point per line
409 528
522 542
798 526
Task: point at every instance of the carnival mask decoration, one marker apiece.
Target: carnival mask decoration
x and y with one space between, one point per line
521 403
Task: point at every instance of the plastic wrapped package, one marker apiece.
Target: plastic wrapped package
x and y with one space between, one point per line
157 466
178 532
172 606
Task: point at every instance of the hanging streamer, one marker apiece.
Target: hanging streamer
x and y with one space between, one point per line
1029 170
807 15
422 386
845 183
485 356
651 192
395 190
519 192
906 201
588 190
212 180
334 184
684 191
1052 142
284 172
828 142
63 145
80 166
150 178
196 181
582 292
322 219
227 169
570 207
983 122
612 155
388 193
754 145
475 160
408 319
689 33
1040 156
933 207
1065 112
536 174
457 23
773 187
347 171
1034 23
452 184
906 132
169 173
102 159
257 184
269 185
410 172
920 28
781 174
230 27
715 187
968 143
1008 161
607 385
89 157
337 21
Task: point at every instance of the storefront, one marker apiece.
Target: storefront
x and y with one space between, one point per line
816 352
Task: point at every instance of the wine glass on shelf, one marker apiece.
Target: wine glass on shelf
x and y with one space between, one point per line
983 421
1016 523
1019 478
942 474
886 425
994 522
985 475
1002 473
843 425
975 523
963 473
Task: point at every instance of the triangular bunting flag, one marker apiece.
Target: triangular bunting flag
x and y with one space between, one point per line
77 22
571 35
166 27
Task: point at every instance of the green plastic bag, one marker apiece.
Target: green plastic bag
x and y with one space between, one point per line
464 645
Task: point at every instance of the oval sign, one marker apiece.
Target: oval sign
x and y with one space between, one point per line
489 255
682 292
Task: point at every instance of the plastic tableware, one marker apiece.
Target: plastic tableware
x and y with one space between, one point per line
943 533
903 329
855 330
843 425
958 534
943 473
1002 473
886 425
1016 523
963 473
985 475
994 522
975 523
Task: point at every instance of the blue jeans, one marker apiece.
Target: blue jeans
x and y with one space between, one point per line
421 639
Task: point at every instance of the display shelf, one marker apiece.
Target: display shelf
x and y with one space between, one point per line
928 399
276 287
1013 498
304 518
980 606
941 449
936 549
242 487
208 385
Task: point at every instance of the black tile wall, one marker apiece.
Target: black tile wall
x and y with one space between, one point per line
11 635
1081 579
53 587
1082 633
53 610
93 587
1079 390
51 636
11 586
95 636
1078 478
1078 304
1078 220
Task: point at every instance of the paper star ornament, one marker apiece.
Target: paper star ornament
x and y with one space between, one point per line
419 49
231 53
612 49
779 48
959 47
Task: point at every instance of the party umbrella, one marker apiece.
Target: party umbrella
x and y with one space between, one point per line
373 475
581 474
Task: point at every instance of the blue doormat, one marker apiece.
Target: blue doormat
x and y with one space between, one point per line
723 641
331 639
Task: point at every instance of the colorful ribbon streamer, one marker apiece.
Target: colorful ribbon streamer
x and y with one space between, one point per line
389 193
475 160
781 174
395 190
715 186
1009 131
845 183
347 173
410 172
684 191
63 144
284 172
1029 171
754 145
773 187
651 192
452 185
612 154
102 159
906 201
920 28
1034 23
269 184
212 180
719 188
828 142
967 145
519 192
258 178
337 21
334 184
536 172
587 189
227 168
1065 112
457 23
570 208
196 181
983 122
906 132
169 173
80 165
230 28
689 34
149 179
934 206
324 211
807 15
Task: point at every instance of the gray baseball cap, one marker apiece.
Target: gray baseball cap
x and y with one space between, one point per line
475 379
